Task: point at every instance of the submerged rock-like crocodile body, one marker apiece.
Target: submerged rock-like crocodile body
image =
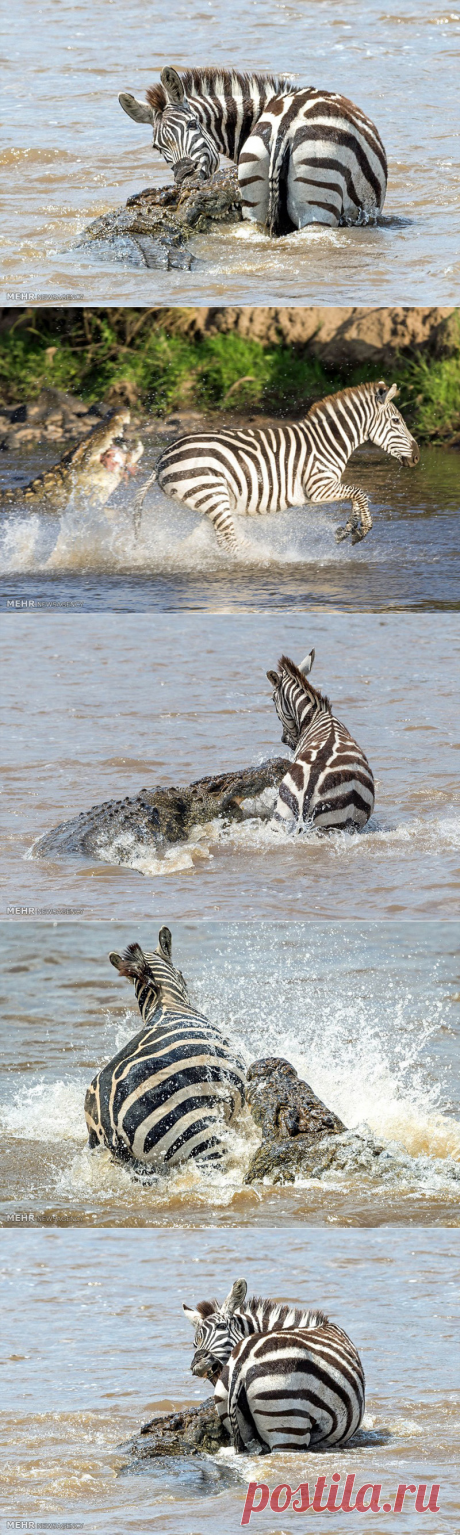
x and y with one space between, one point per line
92 469
155 226
291 1119
182 1433
156 818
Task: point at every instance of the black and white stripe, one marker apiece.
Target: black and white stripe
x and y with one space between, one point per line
330 784
314 158
199 113
169 1092
230 474
304 156
284 1379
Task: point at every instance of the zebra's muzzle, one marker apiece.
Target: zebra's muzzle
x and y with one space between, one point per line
185 168
206 1365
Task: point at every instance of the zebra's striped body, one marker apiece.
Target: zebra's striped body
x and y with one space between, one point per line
230 474
284 1379
304 156
313 158
330 783
169 1092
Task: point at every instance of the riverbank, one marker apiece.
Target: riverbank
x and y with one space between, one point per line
270 361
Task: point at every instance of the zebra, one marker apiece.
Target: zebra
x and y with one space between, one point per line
304 156
258 470
284 1378
169 1092
330 783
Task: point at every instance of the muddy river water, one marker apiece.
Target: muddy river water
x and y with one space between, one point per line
95 1342
410 559
70 153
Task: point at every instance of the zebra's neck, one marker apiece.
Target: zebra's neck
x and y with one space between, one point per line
307 704
341 422
149 1002
229 103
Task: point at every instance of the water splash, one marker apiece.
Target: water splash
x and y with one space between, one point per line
171 541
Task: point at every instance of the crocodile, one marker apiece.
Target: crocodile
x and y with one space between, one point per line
180 1448
158 818
155 227
290 1117
93 469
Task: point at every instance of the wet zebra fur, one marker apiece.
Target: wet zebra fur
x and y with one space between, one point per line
284 1378
303 155
170 1091
227 474
330 784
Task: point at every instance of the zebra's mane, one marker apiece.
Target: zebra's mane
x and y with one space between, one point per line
335 399
273 1314
216 82
286 665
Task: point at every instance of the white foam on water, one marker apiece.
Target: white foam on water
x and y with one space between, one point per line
94 1172
47 1111
171 540
432 836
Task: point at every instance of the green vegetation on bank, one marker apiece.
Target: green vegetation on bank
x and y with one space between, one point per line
159 364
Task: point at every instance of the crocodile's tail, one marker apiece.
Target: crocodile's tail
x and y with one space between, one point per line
139 502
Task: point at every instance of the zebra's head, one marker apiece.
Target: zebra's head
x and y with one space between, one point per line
296 700
178 133
155 979
387 428
217 1330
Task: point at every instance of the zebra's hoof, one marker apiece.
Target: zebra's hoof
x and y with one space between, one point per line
357 536
341 533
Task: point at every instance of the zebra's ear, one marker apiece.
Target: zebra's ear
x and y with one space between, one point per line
236 1297
131 962
138 110
193 1316
274 678
172 84
385 394
306 665
165 942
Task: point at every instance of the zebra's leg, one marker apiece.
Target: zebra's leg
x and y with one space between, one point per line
253 173
214 501
359 520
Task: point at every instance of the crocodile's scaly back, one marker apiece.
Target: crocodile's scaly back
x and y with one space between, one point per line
94 468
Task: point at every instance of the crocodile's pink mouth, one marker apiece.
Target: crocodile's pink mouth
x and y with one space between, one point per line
119 461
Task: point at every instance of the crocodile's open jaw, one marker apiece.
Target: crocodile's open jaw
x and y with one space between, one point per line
113 460
91 470
120 460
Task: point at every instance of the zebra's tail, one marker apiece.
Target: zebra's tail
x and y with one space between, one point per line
278 221
139 502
